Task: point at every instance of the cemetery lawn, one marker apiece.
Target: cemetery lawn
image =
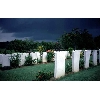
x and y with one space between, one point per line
90 74
26 73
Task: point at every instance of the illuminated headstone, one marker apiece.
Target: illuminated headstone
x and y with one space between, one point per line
34 57
44 57
59 69
95 57
86 58
38 55
1 58
5 61
75 60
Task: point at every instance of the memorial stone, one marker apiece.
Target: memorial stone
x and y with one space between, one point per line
59 69
44 57
5 61
86 58
75 60
95 57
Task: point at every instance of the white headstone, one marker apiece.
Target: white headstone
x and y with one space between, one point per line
65 53
99 55
38 55
75 60
9 55
95 57
5 61
59 69
44 57
34 56
26 54
22 58
1 58
86 58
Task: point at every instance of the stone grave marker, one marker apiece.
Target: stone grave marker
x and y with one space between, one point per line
34 56
38 55
75 60
99 55
44 57
65 53
5 61
22 59
1 58
59 69
86 58
95 57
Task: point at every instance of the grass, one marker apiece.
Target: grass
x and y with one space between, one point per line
90 74
28 73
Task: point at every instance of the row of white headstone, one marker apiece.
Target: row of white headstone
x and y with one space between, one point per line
60 57
60 61
5 59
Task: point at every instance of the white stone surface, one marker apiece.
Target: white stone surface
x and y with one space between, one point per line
34 56
86 58
9 55
1 58
5 61
22 59
44 57
26 54
99 55
95 57
55 51
59 69
75 60
38 55
65 53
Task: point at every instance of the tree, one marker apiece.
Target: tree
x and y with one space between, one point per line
97 41
77 39
71 39
87 40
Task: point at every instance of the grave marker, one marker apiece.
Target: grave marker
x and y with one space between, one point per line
38 55
99 55
65 53
5 61
95 57
86 58
59 69
44 57
34 56
75 60
1 58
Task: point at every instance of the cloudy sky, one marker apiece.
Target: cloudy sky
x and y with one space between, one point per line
44 29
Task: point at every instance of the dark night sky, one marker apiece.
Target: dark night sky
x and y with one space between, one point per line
46 29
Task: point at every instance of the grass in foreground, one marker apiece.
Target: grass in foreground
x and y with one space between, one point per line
27 73
90 74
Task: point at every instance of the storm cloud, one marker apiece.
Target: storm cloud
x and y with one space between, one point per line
48 29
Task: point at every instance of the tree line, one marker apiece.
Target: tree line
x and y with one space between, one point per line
76 39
